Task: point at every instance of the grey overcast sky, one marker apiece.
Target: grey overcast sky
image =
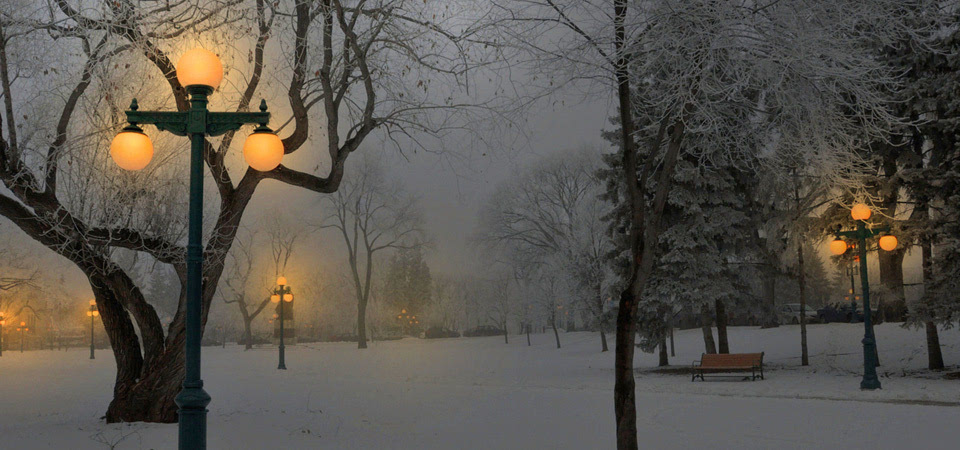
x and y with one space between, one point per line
452 201
450 193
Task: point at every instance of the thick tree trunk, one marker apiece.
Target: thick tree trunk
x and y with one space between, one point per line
721 310
506 339
145 387
709 345
362 324
663 353
151 399
672 348
603 340
556 334
624 391
708 342
247 334
894 306
802 280
934 353
769 319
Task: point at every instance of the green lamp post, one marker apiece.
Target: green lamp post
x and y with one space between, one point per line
861 213
92 313
283 292
200 71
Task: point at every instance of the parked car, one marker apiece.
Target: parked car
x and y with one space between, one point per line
790 313
839 312
438 332
483 330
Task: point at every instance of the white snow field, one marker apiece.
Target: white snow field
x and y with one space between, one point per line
478 393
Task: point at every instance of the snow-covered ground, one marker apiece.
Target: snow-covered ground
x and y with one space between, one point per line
478 393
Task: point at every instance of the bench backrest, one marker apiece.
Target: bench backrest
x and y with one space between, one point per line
731 359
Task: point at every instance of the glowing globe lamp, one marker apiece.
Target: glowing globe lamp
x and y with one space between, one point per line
275 298
199 67
861 212
131 149
838 247
888 243
288 298
282 281
263 150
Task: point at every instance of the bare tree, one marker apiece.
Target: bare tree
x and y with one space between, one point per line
550 214
63 59
497 301
244 275
371 214
18 270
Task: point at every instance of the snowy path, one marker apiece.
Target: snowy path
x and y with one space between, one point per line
482 394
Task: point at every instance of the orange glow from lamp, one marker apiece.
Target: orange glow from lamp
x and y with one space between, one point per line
200 67
281 281
93 303
288 298
838 247
275 298
860 211
888 243
131 149
263 150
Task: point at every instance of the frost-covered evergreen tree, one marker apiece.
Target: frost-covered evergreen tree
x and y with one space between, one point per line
408 281
932 179
706 247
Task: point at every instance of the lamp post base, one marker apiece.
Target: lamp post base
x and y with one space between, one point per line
870 380
193 401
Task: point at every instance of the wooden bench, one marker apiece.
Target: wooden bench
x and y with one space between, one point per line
713 363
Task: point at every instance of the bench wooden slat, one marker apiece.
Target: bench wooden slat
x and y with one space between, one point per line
734 362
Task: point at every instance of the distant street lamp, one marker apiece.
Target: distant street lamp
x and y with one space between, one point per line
407 321
200 72
861 213
282 291
92 313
